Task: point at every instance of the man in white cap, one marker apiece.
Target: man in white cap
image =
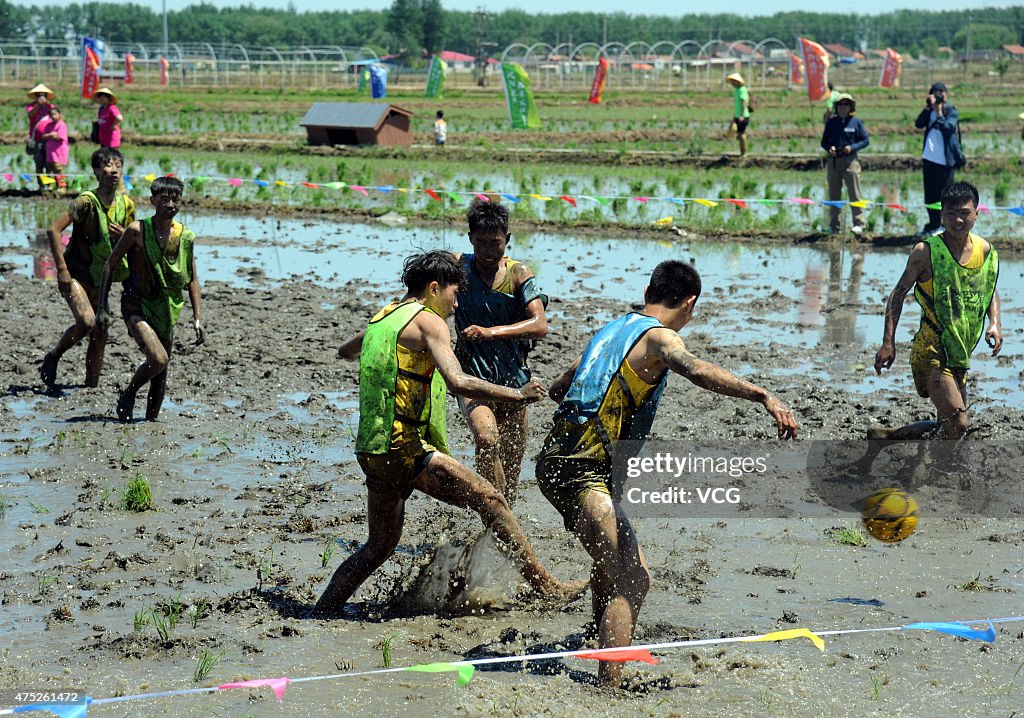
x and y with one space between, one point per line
741 109
843 137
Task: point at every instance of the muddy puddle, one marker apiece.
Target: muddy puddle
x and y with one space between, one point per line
256 499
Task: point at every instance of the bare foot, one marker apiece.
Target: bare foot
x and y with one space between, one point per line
563 593
879 433
125 406
48 370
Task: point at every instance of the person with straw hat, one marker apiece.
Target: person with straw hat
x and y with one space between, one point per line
843 137
38 111
741 109
108 117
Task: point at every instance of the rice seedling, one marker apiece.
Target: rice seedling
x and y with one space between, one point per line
850 535
198 610
3 506
327 554
45 584
205 663
137 495
141 620
385 650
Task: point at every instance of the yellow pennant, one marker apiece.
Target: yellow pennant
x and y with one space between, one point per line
786 635
860 203
46 179
663 222
706 202
150 177
540 197
280 183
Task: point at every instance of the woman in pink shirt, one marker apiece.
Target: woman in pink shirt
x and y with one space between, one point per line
109 118
39 111
54 132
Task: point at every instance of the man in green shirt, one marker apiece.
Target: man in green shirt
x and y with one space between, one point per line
741 109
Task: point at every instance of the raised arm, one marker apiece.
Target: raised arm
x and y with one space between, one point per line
438 340
994 333
917 265
132 237
669 347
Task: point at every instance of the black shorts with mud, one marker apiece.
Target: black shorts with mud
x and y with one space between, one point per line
395 470
566 482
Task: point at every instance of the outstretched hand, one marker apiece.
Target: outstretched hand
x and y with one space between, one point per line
884 358
785 420
533 391
994 338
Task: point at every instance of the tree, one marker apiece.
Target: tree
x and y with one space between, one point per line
404 25
984 37
432 22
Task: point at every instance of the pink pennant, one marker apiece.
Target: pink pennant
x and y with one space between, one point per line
983 208
642 199
621 656
737 202
433 194
357 188
800 200
568 199
9 177
483 197
235 182
278 685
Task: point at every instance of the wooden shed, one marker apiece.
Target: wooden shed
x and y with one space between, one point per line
357 123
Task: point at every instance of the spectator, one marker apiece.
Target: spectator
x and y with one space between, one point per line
741 109
843 137
941 156
109 118
440 129
54 133
38 110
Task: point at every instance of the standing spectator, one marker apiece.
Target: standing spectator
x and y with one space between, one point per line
38 110
830 102
440 129
941 156
741 109
54 132
843 137
109 118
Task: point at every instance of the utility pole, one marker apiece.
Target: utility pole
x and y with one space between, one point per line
967 50
165 27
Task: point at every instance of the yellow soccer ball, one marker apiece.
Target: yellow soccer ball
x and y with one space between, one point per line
890 515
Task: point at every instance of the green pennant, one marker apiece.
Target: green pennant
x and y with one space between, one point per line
934 205
453 197
601 200
465 670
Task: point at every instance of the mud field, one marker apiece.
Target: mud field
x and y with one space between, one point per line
257 498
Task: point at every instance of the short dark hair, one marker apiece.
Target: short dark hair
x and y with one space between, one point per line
437 265
489 216
958 194
440 113
103 155
165 183
673 282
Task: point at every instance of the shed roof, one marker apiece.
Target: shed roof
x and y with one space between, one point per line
838 50
1014 49
349 114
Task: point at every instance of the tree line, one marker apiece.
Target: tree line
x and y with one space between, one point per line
410 27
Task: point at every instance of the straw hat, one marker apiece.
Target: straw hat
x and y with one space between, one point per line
1021 115
735 77
104 91
41 88
846 97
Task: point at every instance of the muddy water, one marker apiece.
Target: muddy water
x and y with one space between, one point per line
255 489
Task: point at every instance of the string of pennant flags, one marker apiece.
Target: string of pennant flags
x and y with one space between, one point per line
459 196
465 670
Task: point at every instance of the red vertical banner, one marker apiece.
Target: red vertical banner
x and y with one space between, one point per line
164 67
600 77
891 69
91 73
816 65
796 69
129 68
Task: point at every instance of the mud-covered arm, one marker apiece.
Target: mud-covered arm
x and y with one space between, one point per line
195 299
439 344
535 326
351 347
53 235
670 348
917 264
994 333
561 386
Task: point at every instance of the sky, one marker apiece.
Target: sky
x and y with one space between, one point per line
651 7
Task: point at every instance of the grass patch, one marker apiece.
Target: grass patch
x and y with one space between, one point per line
137 495
849 535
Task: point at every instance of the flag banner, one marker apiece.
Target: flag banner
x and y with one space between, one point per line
891 69
92 61
522 112
164 67
129 68
600 77
816 66
796 69
364 81
435 78
378 82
